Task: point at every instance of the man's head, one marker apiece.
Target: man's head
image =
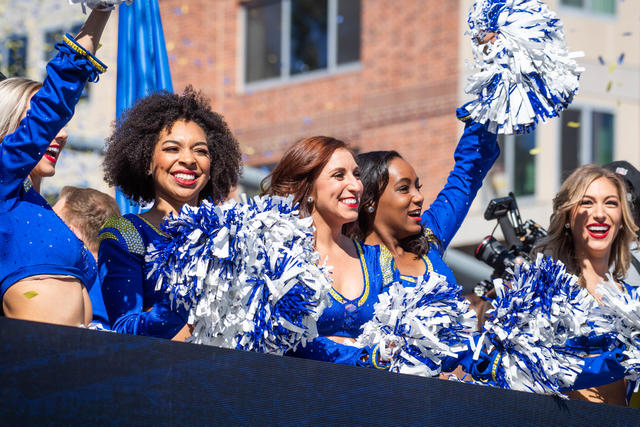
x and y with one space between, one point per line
85 210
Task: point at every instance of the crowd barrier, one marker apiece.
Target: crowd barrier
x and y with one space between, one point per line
55 375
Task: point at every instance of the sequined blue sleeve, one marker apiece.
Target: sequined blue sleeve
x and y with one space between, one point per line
604 368
122 276
475 154
327 350
51 108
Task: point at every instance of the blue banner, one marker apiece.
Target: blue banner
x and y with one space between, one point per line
143 64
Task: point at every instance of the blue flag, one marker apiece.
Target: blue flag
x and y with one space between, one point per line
143 65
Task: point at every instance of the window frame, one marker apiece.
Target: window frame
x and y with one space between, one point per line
586 136
285 77
587 10
508 154
62 29
4 50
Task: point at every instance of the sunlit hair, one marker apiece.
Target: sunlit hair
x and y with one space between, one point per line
298 169
130 148
87 210
15 93
559 241
374 174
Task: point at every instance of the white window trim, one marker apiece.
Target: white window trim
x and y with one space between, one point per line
285 77
586 149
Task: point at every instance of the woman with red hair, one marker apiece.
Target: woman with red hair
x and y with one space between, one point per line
322 175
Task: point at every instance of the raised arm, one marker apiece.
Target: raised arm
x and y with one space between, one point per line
89 35
52 106
476 152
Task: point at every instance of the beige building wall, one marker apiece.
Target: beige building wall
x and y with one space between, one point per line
610 87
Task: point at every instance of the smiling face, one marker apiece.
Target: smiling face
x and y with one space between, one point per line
180 165
399 209
336 191
46 167
596 220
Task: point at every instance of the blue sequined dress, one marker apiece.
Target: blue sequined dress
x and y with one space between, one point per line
133 304
474 155
33 239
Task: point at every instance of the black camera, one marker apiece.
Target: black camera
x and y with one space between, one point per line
520 237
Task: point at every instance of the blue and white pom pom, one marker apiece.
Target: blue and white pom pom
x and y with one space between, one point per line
619 313
416 327
247 273
530 323
526 73
92 4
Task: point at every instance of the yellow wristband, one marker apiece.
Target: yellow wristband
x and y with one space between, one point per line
69 41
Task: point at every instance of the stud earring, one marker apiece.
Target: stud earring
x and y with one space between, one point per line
309 199
370 209
567 226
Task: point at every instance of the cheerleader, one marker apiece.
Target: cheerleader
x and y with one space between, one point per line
590 231
171 150
45 270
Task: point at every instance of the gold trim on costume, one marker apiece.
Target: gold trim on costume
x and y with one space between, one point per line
387 267
106 235
153 227
365 272
129 233
82 51
496 363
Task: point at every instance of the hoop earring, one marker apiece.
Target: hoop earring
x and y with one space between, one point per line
309 199
371 209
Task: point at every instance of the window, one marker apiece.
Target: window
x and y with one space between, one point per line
15 52
51 38
515 169
284 39
603 7
587 136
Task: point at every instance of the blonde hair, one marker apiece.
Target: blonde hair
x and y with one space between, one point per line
15 93
559 241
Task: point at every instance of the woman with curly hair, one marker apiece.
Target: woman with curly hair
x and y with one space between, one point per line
590 231
172 150
45 270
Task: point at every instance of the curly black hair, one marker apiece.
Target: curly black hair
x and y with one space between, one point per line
128 151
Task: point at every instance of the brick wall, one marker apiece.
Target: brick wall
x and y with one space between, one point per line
403 97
